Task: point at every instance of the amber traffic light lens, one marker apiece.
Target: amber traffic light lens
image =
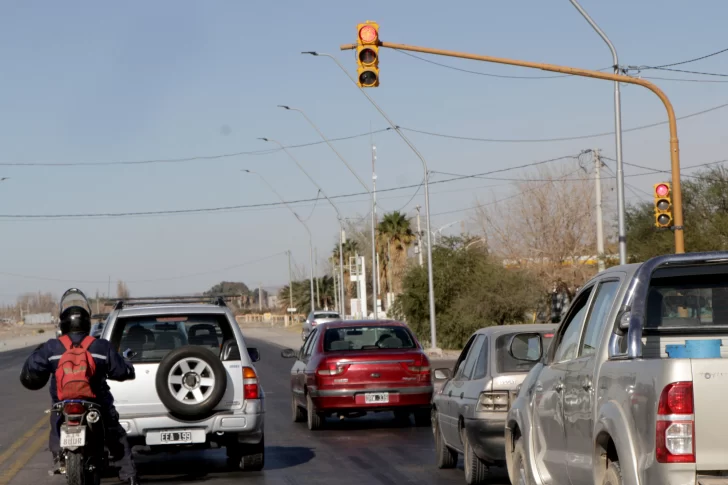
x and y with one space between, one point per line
368 34
367 56
663 205
663 219
367 78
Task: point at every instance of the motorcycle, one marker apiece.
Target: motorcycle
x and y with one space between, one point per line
82 442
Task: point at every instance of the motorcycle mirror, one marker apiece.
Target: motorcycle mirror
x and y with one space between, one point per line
129 354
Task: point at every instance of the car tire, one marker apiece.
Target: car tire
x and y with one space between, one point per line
521 474
423 418
246 457
208 366
297 413
613 475
315 420
477 471
445 456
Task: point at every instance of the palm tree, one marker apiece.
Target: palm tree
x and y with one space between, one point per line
395 236
351 248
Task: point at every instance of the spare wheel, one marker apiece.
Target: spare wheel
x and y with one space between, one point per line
191 381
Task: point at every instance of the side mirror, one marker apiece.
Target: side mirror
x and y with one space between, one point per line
624 318
442 374
254 354
527 347
129 354
288 354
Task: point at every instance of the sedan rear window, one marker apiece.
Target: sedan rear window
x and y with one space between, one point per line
153 337
367 338
326 315
506 364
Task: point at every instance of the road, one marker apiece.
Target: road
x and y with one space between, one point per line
371 450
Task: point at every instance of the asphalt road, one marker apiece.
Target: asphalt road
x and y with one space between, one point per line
370 450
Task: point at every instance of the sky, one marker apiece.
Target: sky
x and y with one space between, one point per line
96 82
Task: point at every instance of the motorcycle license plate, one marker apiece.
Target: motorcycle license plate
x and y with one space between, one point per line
73 436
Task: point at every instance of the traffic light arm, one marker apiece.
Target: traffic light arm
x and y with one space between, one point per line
674 147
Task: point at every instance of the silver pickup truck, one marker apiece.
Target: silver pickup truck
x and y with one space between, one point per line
632 388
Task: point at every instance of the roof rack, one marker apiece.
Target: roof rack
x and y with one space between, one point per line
120 303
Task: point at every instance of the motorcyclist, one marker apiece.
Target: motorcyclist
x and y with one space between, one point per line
75 321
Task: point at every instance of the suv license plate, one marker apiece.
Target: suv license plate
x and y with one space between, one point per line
376 398
73 437
175 437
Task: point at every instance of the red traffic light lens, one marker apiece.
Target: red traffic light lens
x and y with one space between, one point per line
368 34
662 190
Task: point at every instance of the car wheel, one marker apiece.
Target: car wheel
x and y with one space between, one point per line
521 475
191 381
613 476
298 414
423 418
243 456
314 420
446 457
476 471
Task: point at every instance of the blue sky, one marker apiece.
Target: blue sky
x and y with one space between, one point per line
90 82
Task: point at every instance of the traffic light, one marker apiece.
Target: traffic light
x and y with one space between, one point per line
663 205
367 54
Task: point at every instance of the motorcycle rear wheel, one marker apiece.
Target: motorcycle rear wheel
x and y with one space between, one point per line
76 473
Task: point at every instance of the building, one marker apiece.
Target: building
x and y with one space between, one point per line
39 319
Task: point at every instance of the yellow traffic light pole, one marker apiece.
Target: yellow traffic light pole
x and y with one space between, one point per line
674 148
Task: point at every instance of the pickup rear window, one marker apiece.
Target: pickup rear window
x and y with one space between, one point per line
153 337
506 364
687 301
367 338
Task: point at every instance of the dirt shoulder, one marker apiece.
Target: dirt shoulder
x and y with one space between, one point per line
17 337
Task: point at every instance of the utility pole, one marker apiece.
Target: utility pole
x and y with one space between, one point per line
419 235
389 272
260 297
318 294
290 283
108 290
600 225
375 259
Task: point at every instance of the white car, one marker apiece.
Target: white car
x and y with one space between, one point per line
317 317
194 388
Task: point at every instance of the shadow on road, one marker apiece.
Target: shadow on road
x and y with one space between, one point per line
369 422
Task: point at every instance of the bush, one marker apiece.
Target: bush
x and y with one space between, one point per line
472 291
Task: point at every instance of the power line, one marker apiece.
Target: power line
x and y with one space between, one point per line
684 80
150 280
413 195
691 72
570 138
689 60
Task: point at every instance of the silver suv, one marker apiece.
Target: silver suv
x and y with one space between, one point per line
194 387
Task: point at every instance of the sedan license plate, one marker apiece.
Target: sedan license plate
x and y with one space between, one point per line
73 437
376 398
175 437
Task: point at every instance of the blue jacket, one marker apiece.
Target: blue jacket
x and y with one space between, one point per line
43 362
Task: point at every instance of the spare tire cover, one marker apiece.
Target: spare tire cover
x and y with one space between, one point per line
191 381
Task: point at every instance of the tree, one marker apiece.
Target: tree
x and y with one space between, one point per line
122 291
302 294
472 290
394 237
705 211
549 226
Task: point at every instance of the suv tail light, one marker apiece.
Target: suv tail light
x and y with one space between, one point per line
493 401
250 384
675 429
329 368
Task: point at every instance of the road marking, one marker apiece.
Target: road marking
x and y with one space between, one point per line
24 458
23 439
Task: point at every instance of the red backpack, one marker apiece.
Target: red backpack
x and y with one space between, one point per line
75 369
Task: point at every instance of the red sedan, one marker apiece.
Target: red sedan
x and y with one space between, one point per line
348 369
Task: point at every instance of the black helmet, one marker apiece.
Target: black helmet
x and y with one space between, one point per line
75 312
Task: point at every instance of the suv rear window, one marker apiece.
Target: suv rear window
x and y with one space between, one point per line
153 337
506 364
367 338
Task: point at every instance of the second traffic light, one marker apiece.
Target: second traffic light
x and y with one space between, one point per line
367 54
663 205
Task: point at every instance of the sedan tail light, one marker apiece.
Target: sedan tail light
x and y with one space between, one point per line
493 401
420 365
328 368
250 384
675 429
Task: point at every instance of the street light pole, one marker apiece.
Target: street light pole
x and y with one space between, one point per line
371 194
310 238
621 225
430 278
338 213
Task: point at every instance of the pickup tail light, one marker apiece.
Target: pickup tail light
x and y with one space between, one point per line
329 368
675 429
493 401
251 389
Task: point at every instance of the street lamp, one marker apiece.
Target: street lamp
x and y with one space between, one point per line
338 213
439 231
371 194
430 278
310 238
